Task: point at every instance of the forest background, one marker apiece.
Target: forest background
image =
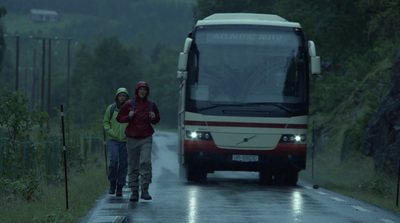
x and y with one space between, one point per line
116 44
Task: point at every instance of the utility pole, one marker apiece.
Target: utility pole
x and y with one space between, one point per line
68 73
43 74
17 64
33 96
49 85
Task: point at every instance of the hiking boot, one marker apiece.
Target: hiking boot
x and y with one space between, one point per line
134 196
145 195
119 191
112 188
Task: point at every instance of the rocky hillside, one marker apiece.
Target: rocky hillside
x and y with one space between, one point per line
382 136
362 122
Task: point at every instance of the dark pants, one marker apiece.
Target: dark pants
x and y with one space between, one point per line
118 162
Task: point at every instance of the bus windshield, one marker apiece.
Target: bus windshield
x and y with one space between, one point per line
247 64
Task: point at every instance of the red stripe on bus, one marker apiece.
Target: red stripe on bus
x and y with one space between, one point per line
280 149
247 124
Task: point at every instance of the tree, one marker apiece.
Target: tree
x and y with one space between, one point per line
81 82
3 12
98 74
164 85
383 18
16 115
205 8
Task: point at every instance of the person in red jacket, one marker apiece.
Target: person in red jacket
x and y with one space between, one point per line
140 117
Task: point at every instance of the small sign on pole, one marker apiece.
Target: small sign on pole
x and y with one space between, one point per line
312 152
398 182
65 158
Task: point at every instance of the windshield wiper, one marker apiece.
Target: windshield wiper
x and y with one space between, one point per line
276 105
219 105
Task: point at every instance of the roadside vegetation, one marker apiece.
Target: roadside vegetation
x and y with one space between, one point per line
355 178
50 206
32 183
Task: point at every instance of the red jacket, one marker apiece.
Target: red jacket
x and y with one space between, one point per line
139 126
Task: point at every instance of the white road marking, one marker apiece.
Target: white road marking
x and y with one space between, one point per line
386 220
358 208
337 199
322 193
119 219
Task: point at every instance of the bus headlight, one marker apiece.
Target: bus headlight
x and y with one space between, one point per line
293 138
198 135
193 135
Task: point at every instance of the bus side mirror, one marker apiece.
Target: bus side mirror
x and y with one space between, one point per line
183 59
314 59
182 64
315 65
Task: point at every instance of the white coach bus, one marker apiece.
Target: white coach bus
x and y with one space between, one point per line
244 97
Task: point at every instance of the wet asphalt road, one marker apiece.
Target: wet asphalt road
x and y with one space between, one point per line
229 197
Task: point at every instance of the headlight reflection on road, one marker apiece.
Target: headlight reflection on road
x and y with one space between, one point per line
193 207
297 203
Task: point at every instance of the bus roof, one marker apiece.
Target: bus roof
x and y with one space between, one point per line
246 19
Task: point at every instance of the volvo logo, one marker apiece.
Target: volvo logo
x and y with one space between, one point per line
246 140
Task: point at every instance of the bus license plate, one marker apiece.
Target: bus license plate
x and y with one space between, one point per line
245 158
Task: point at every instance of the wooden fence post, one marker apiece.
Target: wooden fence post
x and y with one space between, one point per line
1 153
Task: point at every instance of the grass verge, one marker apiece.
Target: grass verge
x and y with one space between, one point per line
83 191
356 178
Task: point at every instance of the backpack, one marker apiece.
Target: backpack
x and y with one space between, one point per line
112 109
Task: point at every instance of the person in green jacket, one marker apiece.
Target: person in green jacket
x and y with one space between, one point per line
118 167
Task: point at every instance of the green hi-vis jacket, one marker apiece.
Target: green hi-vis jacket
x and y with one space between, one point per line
114 129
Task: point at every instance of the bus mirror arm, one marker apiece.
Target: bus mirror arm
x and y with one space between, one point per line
188 44
183 59
311 49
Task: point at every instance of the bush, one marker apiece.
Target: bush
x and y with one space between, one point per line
18 119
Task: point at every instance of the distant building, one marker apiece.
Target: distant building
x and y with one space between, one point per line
39 15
